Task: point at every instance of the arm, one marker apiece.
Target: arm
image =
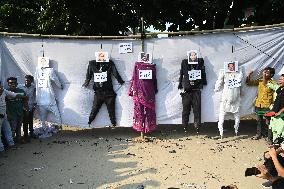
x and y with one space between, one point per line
181 76
203 73
280 111
55 79
155 80
278 166
115 73
265 174
250 82
89 75
34 102
15 95
220 81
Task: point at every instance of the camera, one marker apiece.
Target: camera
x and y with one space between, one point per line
277 142
252 171
225 187
229 187
268 163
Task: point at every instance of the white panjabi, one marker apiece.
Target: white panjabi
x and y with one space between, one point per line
231 97
45 96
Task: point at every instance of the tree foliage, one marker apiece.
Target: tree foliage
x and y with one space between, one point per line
115 17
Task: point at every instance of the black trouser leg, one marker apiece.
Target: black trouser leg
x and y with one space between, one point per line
26 124
259 125
110 103
31 122
196 105
97 104
270 136
186 108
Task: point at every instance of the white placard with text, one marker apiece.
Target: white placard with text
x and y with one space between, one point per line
100 77
194 75
145 74
125 48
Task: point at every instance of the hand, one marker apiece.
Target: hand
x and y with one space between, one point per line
263 172
180 86
277 114
85 85
279 150
272 152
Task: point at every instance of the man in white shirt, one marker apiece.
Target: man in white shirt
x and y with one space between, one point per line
30 91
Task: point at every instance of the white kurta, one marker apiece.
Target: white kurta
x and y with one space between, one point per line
231 97
44 91
45 96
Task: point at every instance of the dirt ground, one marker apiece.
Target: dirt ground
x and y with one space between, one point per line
107 159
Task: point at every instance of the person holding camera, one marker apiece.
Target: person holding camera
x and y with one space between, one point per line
277 179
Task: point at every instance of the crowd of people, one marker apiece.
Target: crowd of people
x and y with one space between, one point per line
17 105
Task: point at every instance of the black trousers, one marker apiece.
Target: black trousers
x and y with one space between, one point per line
262 128
28 120
191 99
107 97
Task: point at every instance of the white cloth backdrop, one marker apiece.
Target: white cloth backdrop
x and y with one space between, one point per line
253 49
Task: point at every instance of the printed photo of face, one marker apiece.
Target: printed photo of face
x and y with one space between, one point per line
145 57
231 67
193 56
102 57
43 62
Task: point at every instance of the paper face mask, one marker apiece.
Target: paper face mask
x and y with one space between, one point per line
192 56
145 74
102 57
43 62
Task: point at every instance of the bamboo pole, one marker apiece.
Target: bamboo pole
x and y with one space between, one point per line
146 35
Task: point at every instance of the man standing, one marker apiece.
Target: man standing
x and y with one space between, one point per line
30 91
15 107
263 101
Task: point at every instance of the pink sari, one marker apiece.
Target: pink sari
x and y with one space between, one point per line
143 94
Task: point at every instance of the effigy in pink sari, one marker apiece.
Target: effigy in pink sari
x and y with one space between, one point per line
143 93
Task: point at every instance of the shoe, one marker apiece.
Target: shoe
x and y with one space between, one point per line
267 184
196 126
256 137
197 130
